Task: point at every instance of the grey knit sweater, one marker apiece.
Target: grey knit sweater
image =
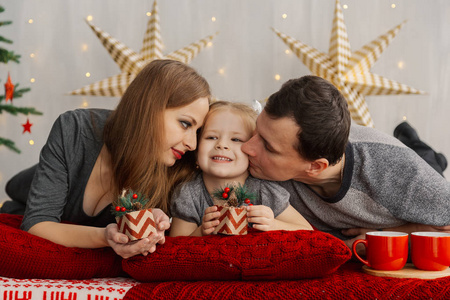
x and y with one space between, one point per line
385 184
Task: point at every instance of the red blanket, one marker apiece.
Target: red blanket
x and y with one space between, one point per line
348 282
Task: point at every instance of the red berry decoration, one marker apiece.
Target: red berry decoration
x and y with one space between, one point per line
123 209
226 190
117 208
247 201
225 195
135 196
250 204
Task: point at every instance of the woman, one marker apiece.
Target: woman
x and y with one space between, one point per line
92 154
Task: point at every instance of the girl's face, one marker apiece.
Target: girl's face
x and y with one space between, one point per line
219 151
180 126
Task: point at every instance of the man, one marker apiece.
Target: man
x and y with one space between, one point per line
342 177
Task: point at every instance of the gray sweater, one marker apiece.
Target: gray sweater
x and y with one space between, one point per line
191 199
385 184
65 164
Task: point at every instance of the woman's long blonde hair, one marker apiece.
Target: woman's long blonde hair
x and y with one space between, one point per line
134 132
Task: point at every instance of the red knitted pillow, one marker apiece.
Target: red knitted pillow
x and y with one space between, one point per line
273 255
23 255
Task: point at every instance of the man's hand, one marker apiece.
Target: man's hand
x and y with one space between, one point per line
210 220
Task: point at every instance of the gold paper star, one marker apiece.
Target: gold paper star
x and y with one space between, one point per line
131 63
350 72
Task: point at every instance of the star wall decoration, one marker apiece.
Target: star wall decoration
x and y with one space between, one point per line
350 72
131 63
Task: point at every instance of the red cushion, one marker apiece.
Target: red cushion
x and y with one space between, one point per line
23 255
273 255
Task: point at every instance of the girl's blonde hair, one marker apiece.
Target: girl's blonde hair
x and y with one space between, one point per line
247 113
134 132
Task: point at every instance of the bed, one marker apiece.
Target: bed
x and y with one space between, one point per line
273 265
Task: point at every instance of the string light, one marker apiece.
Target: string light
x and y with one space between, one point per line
88 74
222 71
32 55
277 77
31 142
393 5
209 44
149 14
32 80
84 47
345 6
287 51
404 118
84 103
284 16
213 19
400 65
30 21
89 18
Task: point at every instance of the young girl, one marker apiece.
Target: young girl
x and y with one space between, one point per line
227 126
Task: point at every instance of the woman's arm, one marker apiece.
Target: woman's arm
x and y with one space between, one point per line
263 219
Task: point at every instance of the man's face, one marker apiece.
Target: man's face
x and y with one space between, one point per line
272 151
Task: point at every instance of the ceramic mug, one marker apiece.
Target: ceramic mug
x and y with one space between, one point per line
430 250
385 250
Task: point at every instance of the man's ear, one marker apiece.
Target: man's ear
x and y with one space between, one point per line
317 167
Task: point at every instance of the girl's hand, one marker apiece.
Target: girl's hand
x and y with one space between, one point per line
261 216
120 242
210 220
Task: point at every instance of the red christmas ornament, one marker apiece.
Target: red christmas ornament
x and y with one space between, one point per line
123 209
247 201
226 190
135 196
117 208
27 126
9 89
225 195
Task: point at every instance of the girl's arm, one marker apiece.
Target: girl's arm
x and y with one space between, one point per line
184 228
263 219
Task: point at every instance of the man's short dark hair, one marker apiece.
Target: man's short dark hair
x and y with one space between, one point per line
320 111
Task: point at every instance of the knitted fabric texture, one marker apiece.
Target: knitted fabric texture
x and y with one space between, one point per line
347 283
24 255
272 255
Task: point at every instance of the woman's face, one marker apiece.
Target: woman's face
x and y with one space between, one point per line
180 126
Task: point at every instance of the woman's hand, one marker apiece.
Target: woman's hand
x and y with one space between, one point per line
262 217
210 220
120 242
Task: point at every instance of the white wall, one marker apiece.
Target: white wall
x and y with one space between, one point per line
248 51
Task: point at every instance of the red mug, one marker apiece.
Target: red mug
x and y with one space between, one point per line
385 250
430 250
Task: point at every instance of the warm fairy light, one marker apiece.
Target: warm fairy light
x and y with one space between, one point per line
400 64
284 16
393 5
32 55
213 19
345 6
30 21
222 71
287 51
85 103
89 18
32 80
84 47
209 44
31 142
149 14
404 118
277 77
88 74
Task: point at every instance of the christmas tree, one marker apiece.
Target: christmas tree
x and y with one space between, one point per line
11 90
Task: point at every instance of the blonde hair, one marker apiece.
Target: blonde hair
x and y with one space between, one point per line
247 113
134 132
